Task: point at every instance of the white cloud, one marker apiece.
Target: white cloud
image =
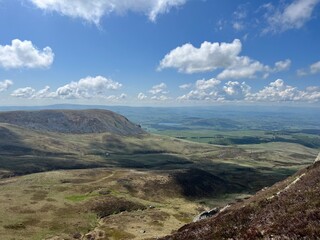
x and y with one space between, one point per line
27 92
114 98
211 90
142 96
159 93
208 57
239 17
123 96
282 65
207 84
4 85
44 93
185 86
160 98
236 90
315 68
243 67
98 82
159 89
23 54
313 89
238 26
94 10
86 88
221 25
212 56
203 90
290 16
276 91
241 12
301 72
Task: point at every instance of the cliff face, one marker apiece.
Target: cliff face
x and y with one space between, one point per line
71 121
288 210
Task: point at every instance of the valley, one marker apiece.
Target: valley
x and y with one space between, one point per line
76 184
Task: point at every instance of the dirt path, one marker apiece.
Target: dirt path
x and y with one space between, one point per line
104 178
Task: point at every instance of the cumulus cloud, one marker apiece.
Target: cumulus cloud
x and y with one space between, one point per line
115 98
159 93
212 56
123 96
313 69
185 86
86 88
243 67
302 72
26 92
94 10
4 85
290 16
159 89
142 96
207 84
203 90
282 65
276 91
236 90
211 90
23 54
160 98
208 57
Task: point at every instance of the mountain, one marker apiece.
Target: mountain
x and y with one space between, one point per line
288 210
72 121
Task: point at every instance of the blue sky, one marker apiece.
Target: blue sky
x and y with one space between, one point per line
159 52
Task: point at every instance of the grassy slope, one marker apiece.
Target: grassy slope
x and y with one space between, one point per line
175 176
63 203
287 210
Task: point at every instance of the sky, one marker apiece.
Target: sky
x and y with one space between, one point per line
159 52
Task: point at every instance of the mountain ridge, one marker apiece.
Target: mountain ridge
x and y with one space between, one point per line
72 121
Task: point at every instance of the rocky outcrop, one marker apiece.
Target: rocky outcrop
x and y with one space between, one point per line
206 214
317 159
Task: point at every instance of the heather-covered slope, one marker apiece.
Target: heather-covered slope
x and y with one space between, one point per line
288 210
72 121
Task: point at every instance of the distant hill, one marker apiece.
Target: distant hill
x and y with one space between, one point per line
288 210
72 121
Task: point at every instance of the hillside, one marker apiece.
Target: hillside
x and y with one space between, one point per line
70 174
288 210
72 121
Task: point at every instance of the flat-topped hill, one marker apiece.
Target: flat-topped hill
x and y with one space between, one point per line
72 121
